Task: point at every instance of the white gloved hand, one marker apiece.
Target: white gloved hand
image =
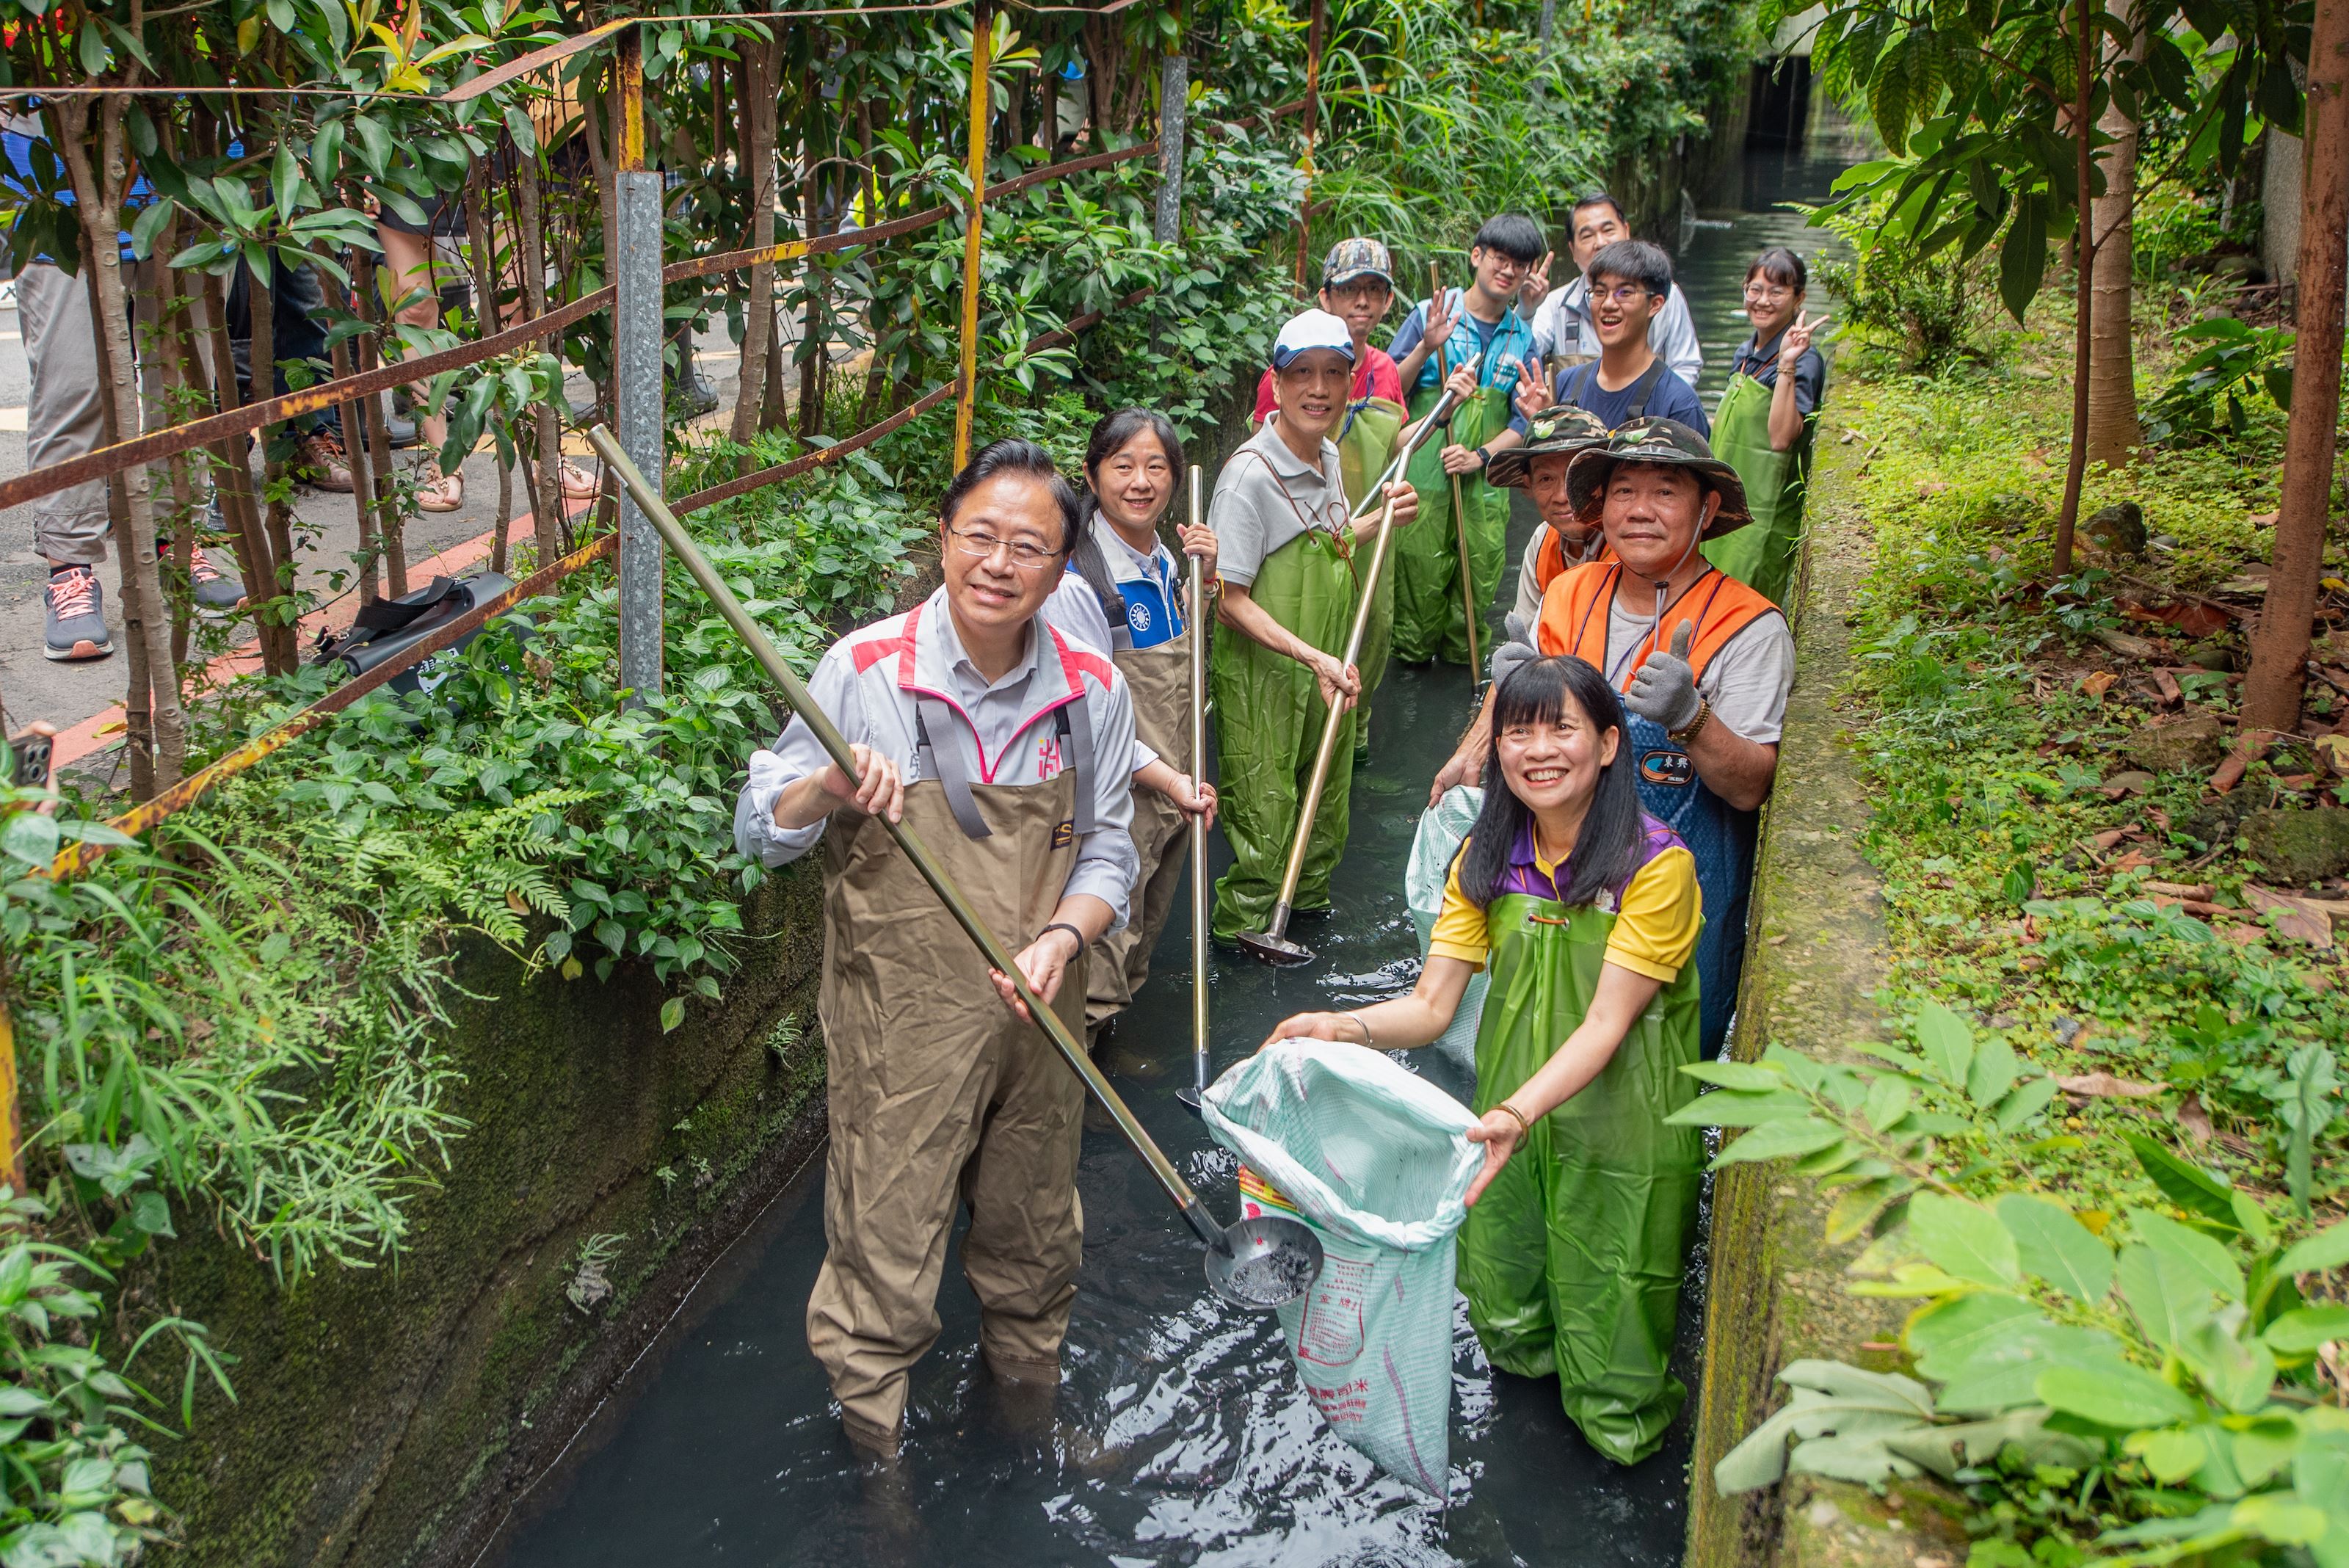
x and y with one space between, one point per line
1516 648
1663 689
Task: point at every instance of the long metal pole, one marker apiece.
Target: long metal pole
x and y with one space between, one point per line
1370 587
835 746
1195 608
1174 117
639 340
982 39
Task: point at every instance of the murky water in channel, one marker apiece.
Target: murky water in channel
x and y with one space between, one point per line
1180 1434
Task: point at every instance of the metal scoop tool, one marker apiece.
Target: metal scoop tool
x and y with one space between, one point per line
1272 945
1262 1262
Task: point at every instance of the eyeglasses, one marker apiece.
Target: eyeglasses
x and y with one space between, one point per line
1769 294
1027 558
1621 294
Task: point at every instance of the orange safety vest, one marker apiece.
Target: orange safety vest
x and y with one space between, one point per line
1574 617
1550 559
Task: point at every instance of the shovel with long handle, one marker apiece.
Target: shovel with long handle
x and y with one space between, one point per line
1250 1264
1459 509
1195 602
1272 944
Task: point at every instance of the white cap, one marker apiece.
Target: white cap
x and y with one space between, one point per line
1312 329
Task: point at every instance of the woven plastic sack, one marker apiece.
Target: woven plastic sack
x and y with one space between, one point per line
1376 1159
1441 830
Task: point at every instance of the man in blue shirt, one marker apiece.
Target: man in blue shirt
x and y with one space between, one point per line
1630 282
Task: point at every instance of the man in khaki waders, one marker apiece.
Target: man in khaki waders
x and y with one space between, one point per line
1011 749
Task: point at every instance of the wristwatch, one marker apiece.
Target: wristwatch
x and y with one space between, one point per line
1693 728
1484 460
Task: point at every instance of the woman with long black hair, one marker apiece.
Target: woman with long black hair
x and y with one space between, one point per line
1587 910
1123 593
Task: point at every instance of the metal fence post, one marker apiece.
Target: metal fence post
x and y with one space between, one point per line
1313 37
982 39
1173 113
638 340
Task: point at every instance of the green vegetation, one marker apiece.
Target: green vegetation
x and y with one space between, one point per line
2105 1155
237 1023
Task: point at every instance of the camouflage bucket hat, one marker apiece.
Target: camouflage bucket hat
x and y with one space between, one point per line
1561 428
1351 260
1664 441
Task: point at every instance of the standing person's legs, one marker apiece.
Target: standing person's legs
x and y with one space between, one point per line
64 420
408 277
1027 1233
297 307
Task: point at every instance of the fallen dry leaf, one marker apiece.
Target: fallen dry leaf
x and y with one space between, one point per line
2242 936
2167 685
2333 751
2195 1119
2099 683
2102 1085
2299 918
2135 860
2195 618
2179 889
2129 781
2109 838
2263 519
2250 744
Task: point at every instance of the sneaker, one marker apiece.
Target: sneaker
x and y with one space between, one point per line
213 588
76 617
326 467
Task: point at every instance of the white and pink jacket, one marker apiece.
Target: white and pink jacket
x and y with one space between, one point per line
886 684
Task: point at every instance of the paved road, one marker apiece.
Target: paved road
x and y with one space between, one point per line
32 687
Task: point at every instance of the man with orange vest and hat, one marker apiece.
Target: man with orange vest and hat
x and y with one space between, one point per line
1703 662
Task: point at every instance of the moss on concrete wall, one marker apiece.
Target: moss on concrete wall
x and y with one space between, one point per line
383 1415
1815 961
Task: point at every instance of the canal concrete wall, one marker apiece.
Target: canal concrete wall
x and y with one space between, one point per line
1816 958
386 1415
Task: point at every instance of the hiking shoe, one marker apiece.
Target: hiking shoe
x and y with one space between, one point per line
689 391
213 588
75 621
326 466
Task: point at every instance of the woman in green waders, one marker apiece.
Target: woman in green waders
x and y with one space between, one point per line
1763 425
1587 910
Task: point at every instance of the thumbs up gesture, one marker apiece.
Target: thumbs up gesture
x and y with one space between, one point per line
1663 689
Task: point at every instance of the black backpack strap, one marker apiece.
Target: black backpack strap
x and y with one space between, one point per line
1645 388
377 617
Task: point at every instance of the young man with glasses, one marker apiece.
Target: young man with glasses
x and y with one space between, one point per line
1285 541
1628 283
1010 748
1481 331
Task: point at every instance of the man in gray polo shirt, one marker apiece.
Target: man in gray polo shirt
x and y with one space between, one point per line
1284 542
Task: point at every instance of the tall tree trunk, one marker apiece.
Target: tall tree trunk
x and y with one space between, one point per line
811 305
485 318
232 482
1051 116
1104 64
548 504
758 307
2083 255
2271 691
2113 435
148 628
390 515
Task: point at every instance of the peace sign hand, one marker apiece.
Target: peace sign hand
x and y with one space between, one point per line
1533 393
1796 339
1537 285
